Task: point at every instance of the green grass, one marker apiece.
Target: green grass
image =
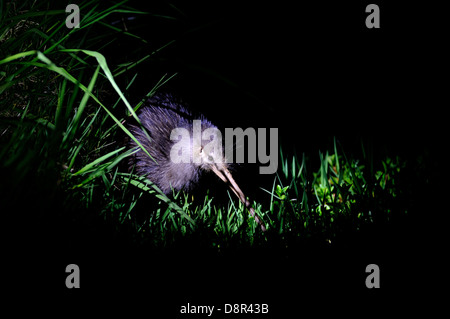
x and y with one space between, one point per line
59 132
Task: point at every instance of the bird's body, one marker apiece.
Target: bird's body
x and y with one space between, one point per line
159 168
161 121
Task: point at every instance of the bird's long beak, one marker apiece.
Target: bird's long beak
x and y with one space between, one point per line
225 175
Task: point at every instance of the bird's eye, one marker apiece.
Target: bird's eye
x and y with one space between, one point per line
210 158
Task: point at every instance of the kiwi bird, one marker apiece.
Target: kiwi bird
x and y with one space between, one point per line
160 118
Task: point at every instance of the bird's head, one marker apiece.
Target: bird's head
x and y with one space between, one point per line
209 156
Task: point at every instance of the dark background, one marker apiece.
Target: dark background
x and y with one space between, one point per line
314 71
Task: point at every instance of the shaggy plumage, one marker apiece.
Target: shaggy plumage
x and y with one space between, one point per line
162 115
